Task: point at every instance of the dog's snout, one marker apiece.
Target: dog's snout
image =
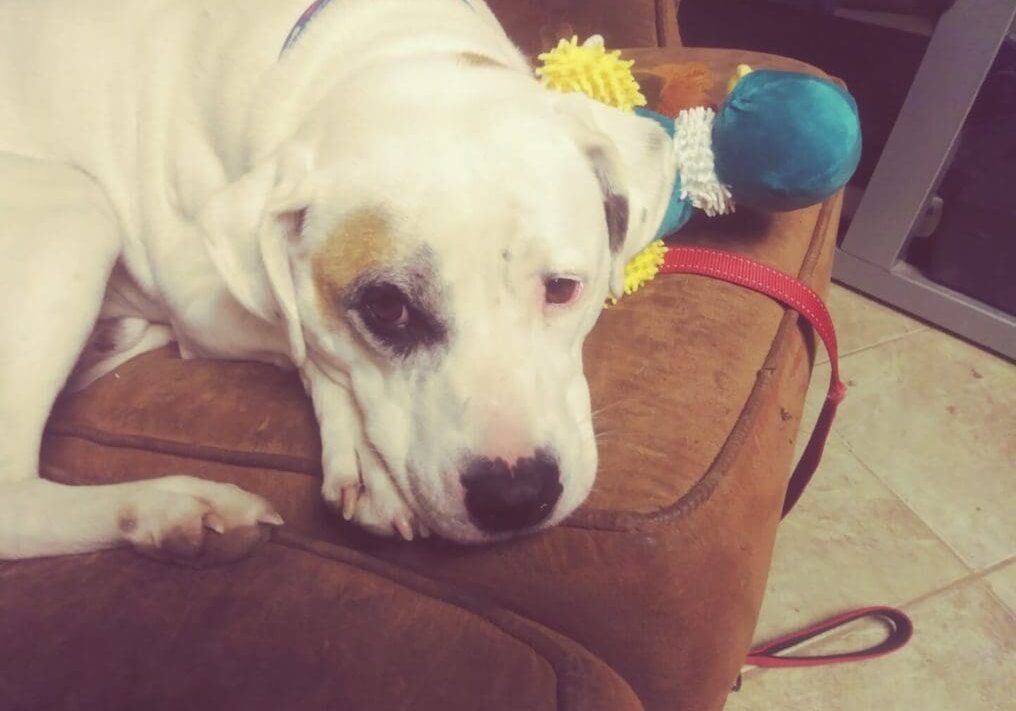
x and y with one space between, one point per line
502 497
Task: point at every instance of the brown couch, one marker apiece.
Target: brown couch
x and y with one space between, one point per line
645 599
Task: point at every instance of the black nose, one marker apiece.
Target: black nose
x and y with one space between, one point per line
502 498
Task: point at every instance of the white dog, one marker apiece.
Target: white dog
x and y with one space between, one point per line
392 204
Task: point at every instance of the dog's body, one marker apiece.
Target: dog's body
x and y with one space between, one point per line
381 206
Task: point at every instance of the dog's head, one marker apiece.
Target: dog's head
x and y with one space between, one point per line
446 253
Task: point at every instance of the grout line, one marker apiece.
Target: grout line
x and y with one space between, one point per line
998 565
993 568
889 339
934 592
941 538
888 484
899 497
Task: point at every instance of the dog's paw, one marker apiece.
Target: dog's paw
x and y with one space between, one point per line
363 492
342 483
195 521
381 509
356 484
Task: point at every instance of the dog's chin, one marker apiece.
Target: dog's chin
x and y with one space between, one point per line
461 531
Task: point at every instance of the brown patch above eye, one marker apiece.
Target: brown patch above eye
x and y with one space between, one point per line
361 241
474 59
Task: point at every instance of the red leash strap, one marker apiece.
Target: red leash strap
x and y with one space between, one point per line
738 269
901 628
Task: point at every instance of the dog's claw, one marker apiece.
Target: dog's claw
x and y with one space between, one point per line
272 518
350 497
422 528
214 522
404 527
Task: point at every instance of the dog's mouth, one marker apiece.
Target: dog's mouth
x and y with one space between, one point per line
453 521
451 525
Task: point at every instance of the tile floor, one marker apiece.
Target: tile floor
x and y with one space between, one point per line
914 506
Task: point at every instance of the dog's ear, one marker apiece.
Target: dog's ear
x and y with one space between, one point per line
249 228
633 161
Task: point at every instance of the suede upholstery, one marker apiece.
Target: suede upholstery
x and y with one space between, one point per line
646 598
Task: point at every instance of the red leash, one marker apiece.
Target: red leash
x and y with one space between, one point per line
900 626
791 292
738 269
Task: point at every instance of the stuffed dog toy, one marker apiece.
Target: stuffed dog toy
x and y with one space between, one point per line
378 193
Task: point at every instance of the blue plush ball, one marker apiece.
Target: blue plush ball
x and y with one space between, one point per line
784 140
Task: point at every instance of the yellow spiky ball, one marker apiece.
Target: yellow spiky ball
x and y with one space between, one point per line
591 69
643 267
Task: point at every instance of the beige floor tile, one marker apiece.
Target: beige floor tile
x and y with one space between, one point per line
935 419
849 543
862 323
1003 584
962 658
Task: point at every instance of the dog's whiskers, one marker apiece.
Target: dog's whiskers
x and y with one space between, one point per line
599 411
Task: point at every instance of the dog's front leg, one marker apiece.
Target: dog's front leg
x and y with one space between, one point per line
171 518
355 482
58 244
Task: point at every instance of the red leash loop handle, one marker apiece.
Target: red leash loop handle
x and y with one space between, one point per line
901 629
791 292
740 270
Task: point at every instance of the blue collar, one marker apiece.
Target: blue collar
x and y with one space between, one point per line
301 24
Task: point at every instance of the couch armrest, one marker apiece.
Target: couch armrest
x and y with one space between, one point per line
536 25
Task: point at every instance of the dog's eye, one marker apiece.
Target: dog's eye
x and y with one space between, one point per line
395 322
561 290
384 306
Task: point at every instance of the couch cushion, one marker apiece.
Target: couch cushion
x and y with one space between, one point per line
700 386
298 626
